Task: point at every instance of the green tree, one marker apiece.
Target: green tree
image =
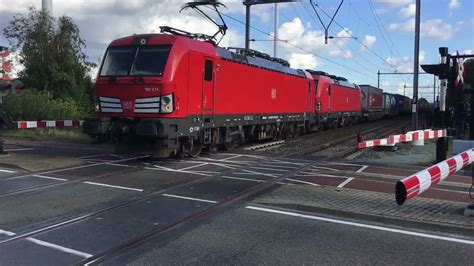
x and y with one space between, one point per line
52 52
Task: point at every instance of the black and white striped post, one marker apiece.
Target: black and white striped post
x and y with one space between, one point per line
443 85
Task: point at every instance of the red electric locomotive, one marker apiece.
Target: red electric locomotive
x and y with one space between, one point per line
165 94
178 92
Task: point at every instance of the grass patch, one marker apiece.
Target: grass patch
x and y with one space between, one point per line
61 134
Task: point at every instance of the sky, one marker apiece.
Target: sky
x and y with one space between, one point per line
369 35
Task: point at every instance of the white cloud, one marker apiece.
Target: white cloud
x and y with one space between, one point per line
408 11
102 21
454 4
312 41
405 63
467 51
422 56
303 61
393 3
434 28
369 41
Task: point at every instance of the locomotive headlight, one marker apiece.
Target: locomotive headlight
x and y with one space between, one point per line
96 105
167 104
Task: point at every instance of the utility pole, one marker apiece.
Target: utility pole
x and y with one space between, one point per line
247 24
275 43
443 85
378 79
416 67
47 5
248 4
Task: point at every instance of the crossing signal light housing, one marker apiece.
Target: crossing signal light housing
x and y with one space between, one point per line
15 87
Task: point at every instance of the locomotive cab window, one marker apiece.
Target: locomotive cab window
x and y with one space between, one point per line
208 70
135 61
150 61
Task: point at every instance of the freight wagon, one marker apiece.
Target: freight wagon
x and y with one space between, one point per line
372 102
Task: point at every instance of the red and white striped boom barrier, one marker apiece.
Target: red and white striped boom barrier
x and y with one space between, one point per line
49 124
409 136
418 183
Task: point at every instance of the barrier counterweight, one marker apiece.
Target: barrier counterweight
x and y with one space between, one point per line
418 183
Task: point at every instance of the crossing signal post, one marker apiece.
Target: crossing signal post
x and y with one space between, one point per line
446 72
441 70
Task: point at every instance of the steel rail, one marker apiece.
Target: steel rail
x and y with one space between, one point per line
63 183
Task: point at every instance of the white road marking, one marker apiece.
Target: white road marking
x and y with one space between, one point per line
362 225
188 198
210 163
271 169
231 157
278 166
50 177
7 171
50 245
309 173
7 233
243 179
285 162
193 166
223 165
176 171
122 165
303 182
204 172
221 160
21 149
336 163
58 247
362 169
247 155
78 167
299 160
345 182
325 168
255 173
164 168
319 174
96 155
252 180
112 186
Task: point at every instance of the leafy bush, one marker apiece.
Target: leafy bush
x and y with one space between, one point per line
37 105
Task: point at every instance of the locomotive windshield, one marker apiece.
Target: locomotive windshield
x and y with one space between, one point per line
135 61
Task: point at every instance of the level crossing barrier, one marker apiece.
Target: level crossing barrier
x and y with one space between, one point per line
418 183
407 137
48 124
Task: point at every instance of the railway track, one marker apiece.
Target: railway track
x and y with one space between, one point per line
302 142
59 181
265 146
347 139
230 200
190 217
316 143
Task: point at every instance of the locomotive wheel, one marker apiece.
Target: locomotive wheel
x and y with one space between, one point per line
228 146
195 148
